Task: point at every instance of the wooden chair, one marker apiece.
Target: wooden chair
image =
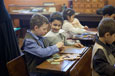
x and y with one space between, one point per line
17 67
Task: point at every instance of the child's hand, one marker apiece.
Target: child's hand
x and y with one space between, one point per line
62 48
86 27
60 44
79 45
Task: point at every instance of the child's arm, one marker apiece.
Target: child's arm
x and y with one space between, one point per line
77 24
32 47
101 65
70 28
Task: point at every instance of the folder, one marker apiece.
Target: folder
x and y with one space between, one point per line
75 50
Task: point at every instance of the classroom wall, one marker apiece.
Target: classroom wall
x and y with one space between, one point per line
34 2
111 2
40 2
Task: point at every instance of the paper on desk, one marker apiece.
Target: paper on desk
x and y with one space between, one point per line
75 50
68 57
71 56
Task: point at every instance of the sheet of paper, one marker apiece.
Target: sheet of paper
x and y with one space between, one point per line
55 62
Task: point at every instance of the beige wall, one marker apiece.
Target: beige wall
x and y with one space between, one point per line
34 2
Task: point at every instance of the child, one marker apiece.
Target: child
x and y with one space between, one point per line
56 34
36 48
72 25
108 11
103 55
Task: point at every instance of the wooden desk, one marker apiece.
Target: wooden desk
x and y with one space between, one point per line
86 39
69 68
90 20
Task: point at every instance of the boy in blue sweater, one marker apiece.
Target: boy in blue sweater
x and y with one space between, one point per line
35 47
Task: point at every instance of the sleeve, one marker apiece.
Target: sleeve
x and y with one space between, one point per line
69 27
77 24
101 65
67 43
50 40
63 37
32 47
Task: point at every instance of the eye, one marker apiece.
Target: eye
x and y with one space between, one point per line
44 28
59 25
55 24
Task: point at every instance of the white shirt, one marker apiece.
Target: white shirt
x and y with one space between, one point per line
54 38
51 34
77 24
71 30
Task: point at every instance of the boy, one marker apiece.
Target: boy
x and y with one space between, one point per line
108 11
103 55
36 48
56 34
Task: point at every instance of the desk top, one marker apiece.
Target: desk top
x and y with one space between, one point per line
81 17
62 68
86 36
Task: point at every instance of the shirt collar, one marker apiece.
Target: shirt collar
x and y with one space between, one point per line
106 46
36 37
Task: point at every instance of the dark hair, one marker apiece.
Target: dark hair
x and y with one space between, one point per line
39 20
108 9
68 12
99 11
106 25
56 16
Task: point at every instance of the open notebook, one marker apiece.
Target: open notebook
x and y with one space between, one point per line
75 50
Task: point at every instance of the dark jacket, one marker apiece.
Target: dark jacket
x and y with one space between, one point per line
8 43
32 60
100 61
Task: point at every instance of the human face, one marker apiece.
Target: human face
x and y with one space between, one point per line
56 26
71 18
41 31
113 16
110 38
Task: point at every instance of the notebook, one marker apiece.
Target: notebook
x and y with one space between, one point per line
75 50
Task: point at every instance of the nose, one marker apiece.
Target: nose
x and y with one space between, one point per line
45 31
57 27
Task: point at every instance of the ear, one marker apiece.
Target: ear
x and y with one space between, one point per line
68 17
35 27
50 23
107 34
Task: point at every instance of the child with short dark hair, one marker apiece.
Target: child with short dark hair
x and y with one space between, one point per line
36 48
56 34
103 55
108 11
